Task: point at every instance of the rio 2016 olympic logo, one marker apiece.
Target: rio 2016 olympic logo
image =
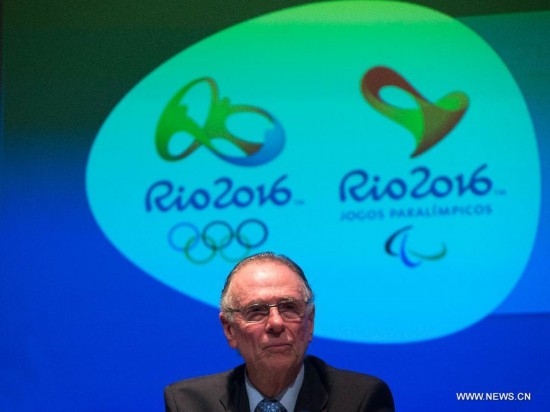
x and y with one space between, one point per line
217 237
176 119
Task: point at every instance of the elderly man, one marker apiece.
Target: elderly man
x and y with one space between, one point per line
267 314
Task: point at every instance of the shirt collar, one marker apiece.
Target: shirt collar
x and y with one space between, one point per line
287 397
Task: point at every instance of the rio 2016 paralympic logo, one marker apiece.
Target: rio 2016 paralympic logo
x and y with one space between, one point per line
429 123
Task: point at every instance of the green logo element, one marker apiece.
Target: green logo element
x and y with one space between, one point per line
429 123
175 119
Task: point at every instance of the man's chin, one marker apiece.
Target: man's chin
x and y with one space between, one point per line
280 358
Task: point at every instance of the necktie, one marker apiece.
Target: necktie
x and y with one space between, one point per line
270 405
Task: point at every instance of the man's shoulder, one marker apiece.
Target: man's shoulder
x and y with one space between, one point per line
345 388
207 393
209 382
332 374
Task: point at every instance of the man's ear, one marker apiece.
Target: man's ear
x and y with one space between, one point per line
229 331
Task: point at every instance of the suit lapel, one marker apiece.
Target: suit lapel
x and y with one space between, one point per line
235 398
313 396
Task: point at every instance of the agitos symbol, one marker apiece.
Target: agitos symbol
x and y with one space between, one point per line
397 245
175 119
429 123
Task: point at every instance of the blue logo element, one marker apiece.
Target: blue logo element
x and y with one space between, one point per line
409 257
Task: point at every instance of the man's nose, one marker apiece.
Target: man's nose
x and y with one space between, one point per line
275 323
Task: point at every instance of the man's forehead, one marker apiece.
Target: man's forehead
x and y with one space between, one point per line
264 266
266 274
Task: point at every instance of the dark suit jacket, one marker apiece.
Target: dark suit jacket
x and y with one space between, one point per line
324 389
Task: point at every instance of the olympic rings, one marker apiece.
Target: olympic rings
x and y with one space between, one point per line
261 241
212 245
194 240
217 236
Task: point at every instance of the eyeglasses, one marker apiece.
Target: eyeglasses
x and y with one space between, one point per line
289 309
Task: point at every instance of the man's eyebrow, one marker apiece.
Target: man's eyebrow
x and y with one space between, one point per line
256 302
282 299
252 302
264 302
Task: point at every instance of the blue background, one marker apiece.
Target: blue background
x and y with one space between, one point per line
81 328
